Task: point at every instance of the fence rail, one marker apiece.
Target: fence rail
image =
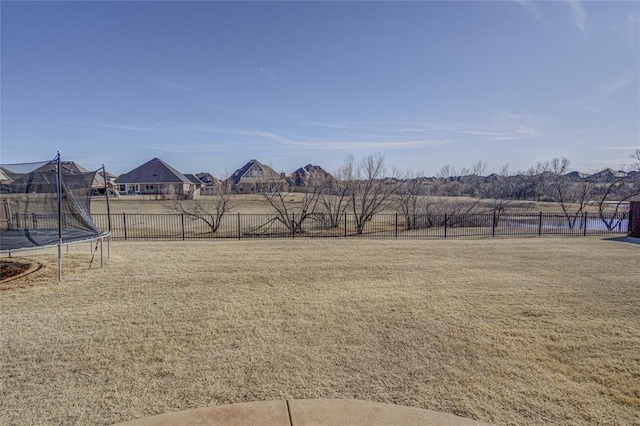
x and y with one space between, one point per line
130 226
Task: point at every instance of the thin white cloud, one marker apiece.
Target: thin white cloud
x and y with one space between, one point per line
189 148
608 88
173 86
579 15
343 143
518 134
338 142
329 125
500 126
617 163
618 148
531 8
116 126
525 131
617 84
630 27
269 74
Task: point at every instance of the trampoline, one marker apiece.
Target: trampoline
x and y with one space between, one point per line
47 204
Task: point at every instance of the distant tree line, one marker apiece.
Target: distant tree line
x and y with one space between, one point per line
363 188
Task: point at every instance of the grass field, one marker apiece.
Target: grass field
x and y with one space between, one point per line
522 331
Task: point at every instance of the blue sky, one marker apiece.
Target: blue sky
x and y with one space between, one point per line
207 86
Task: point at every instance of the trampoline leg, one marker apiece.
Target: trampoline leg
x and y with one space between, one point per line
59 262
101 254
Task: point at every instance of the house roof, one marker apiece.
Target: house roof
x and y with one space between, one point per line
4 177
67 166
246 171
303 173
45 173
193 179
153 171
206 177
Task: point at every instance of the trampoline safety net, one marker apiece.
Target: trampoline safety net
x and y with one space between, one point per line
29 216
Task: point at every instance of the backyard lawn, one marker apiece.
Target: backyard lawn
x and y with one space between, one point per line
508 331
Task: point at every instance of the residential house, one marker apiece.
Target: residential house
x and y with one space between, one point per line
210 184
310 175
197 182
155 177
43 178
257 177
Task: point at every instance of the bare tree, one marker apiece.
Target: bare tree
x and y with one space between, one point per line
614 197
292 216
446 182
209 210
564 192
498 190
335 195
472 179
411 200
372 190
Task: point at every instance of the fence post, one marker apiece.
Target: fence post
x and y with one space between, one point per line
239 234
345 225
182 220
584 233
540 224
493 224
396 231
34 219
445 225
124 222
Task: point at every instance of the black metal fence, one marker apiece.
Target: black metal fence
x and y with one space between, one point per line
129 226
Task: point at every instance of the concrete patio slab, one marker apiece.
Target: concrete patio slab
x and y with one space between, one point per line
317 412
260 413
307 412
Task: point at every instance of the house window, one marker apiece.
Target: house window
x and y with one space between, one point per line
148 188
122 188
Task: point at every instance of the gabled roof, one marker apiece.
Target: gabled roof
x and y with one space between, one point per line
109 175
248 169
67 166
301 175
46 174
206 177
153 171
576 176
4 177
193 179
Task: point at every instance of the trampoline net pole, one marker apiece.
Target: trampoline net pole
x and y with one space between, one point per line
59 193
106 194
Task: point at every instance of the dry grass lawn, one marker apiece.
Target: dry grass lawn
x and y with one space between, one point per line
510 331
